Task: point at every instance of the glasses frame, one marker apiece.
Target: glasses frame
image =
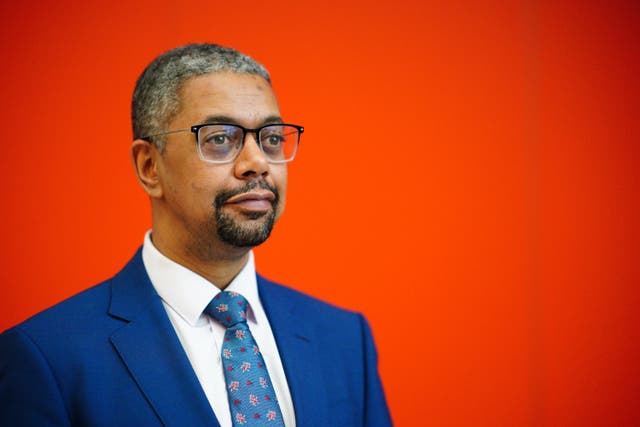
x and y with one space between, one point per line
196 130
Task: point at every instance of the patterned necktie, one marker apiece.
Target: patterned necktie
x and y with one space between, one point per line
252 399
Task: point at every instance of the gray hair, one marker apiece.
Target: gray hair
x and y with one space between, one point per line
156 98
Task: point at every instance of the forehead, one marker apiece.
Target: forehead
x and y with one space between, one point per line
245 98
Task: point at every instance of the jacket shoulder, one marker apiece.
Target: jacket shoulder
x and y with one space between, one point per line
311 307
77 308
88 306
84 311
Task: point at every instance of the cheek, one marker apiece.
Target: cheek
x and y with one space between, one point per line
196 191
206 180
280 179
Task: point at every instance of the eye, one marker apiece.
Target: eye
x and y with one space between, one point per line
217 138
272 137
275 140
219 142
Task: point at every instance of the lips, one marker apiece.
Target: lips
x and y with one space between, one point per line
253 200
251 196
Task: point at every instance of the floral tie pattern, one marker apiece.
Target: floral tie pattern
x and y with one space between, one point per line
252 399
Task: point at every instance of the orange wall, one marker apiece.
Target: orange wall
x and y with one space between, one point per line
475 160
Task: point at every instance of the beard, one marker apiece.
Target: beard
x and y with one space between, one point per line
254 228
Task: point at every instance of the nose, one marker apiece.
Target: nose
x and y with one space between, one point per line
251 161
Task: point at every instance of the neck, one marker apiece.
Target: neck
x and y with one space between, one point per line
219 266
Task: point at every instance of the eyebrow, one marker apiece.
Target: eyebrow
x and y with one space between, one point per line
227 119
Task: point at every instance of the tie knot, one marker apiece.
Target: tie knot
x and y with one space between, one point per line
228 308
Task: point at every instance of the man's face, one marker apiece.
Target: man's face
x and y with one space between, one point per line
209 207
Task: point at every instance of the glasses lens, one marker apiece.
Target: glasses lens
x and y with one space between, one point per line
219 143
279 142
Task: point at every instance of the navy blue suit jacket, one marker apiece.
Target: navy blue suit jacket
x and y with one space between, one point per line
109 356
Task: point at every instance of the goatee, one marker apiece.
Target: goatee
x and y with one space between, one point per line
256 226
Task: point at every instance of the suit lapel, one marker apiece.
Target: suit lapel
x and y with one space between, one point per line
299 354
151 351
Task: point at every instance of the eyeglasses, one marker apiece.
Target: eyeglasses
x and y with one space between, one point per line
221 143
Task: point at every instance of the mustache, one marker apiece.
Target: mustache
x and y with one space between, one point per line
224 195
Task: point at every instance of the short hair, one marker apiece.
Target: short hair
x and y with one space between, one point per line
156 98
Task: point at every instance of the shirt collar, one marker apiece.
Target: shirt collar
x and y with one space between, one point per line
188 293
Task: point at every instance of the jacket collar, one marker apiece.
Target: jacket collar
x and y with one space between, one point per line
152 353
298 348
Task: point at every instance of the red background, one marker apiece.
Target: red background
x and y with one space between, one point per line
476 161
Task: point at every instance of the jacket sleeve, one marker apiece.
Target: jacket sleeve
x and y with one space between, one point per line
376 410
29 393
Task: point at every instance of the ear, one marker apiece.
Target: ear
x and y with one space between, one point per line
145 158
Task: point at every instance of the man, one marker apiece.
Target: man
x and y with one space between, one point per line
160 343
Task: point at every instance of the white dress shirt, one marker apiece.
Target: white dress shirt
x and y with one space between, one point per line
185 295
